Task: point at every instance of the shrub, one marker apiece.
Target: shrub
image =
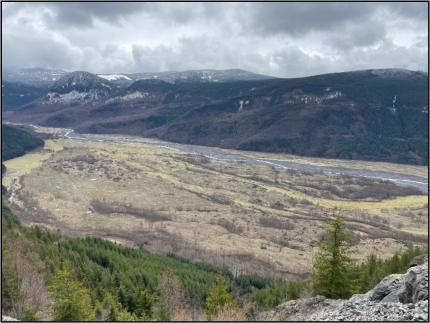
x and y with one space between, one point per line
218 299
72 300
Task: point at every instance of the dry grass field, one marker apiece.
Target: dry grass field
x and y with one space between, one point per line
250 218
357 164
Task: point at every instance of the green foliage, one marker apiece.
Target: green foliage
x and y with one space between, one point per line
218 298
367 271
121 282
72 299
96 279
335 276
373 270
9 219
143 304
29 314
332 266
162 312
247 283
9 284
16 142
112 310
281 291
295 288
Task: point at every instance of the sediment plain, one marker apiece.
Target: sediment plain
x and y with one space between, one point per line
249 217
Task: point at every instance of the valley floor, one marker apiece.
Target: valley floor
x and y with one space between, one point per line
252 218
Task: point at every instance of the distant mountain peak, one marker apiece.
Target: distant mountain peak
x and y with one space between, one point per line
203 75
35 76
79 87
80 81
40 69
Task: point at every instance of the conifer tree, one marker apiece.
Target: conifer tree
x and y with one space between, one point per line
72 300
332 265
144 302
218 298
370 274
162 312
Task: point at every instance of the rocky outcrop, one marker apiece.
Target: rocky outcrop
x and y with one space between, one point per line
308 309
398 297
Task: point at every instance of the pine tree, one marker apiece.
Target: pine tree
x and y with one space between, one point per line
162 312
144 303
218 298
332 265
72 300
394 265
370 274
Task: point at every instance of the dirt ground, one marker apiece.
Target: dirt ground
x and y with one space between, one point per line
250 218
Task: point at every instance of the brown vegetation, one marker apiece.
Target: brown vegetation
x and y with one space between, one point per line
272 222
31 293
110 208
229 226
226 213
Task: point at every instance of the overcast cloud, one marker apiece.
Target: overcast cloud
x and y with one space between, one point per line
281 39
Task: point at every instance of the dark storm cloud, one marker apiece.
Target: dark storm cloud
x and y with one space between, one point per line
52 54
410 10
79 14
282 39
363 35
299 18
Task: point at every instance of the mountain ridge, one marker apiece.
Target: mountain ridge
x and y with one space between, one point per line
43 77
378 115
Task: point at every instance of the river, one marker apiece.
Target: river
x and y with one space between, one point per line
225 155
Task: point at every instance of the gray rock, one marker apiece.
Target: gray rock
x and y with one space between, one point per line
387 286
392 297
420 317
400 297
415 286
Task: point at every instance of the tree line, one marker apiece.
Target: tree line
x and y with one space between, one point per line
49 276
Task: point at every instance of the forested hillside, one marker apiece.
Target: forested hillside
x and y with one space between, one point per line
91 278
378 115
16 142
104 280
15 95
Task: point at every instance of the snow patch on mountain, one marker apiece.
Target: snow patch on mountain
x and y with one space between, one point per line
297 97
136 95
72 97
114 77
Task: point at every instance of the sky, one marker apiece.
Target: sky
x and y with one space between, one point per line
279 39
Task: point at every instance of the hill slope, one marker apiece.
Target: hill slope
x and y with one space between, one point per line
122 283
379 115
16 142
131 281
202 76
38 77
15 94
